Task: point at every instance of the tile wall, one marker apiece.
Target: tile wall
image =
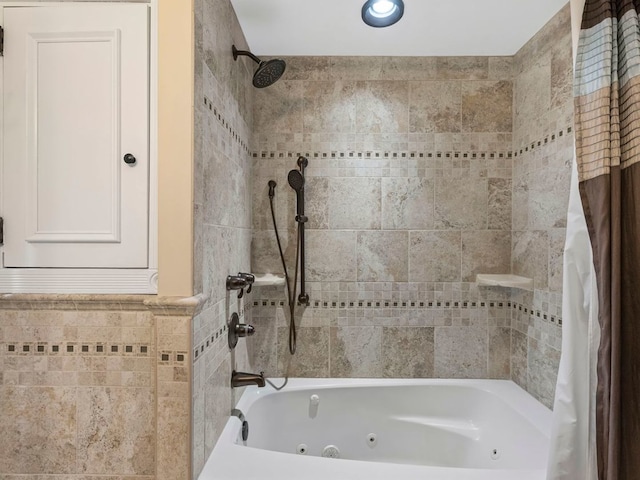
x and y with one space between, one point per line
415 184
222 203
408 195
543 152
94 386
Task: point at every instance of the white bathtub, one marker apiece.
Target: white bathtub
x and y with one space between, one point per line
385 429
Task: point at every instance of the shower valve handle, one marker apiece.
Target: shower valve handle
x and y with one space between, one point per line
250 278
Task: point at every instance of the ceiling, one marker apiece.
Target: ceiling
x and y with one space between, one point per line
428 28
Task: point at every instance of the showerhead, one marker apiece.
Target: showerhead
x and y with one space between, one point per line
296 180
268 72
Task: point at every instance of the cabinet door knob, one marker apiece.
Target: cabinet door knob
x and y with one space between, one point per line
129 159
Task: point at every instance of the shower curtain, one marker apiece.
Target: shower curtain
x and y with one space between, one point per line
607 176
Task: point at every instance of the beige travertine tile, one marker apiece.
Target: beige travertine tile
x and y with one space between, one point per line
383 256
331 255
461 352
461 203
307 68
434 256
530 256
407 203
499 353
316 202
356 68
279 108
434 107
173 439
355 351
519 357
116 431
312 355
329 106
487 106
500 68
485 251
38 426
542 363
408 352
354 203
408 68
465 68
557 239
499 214
217 404
382 106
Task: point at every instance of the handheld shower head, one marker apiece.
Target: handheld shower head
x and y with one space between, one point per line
296 180
268 72
272 188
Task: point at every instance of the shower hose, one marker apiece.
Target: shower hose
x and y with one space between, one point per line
291 291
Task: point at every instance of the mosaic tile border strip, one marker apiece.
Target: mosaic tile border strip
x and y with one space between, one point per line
544 141
76 348
225 124
403 305
549 138
214 338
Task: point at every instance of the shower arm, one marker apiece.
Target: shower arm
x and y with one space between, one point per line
237 53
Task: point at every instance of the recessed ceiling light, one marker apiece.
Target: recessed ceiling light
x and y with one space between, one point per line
382 13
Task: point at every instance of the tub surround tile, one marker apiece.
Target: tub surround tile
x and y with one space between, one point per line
519 348
500 204
354 203
340 264
408 68
281 111
218 403
500 353
461 203
382 106
542 363
408 352
407 203
487 106
485 251
530 256
434 256
382 256
462 68
356 352
461 352
435 107
312 356
329 106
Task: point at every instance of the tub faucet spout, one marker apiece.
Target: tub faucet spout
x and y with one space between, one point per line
242 379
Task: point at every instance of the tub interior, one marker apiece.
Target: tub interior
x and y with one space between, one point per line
446 426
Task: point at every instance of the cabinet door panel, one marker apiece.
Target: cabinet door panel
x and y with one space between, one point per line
75 92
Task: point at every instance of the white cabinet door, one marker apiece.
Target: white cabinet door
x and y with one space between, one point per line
75 102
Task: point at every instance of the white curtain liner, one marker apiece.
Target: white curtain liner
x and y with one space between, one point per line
572 452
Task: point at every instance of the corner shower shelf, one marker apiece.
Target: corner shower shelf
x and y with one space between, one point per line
504 280
268 280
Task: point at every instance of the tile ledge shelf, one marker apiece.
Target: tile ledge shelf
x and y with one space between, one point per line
268 280
504 280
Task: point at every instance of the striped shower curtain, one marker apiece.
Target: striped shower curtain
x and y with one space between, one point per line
607 116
